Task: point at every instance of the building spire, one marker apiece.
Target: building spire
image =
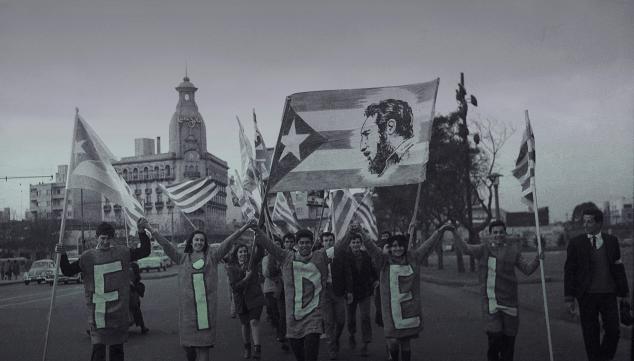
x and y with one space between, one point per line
186 76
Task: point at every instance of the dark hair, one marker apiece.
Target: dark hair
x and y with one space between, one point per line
289 235
277 240
497 223
402 240
189 248
386 232
595 212
234 253
327 234
304 233
105 229
392 109
355 235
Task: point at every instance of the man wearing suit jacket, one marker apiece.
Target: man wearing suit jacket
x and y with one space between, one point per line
594 275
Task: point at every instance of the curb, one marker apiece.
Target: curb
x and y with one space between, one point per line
8 283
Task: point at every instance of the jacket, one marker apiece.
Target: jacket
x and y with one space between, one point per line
578 267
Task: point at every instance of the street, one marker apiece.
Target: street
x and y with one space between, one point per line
453 328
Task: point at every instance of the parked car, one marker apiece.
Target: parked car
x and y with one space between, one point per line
156 260
38 271
61 278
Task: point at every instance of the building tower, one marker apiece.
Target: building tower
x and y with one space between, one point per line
188 139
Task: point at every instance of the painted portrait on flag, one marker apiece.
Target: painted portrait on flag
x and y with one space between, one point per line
354 138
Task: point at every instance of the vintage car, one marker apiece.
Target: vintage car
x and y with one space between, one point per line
156 260
38 270
61 278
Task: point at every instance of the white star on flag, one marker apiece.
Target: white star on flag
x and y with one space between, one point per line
292 141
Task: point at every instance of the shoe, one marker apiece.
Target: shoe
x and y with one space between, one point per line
352 342
364 350
247 351
257 352
144 330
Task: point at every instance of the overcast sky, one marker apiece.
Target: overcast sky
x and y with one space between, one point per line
570 62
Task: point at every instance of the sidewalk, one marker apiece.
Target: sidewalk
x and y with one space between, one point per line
171 272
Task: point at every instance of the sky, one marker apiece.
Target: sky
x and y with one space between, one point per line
569 62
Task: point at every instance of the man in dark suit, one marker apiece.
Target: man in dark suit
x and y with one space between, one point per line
594 275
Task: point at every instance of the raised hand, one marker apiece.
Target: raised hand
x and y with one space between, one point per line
143 224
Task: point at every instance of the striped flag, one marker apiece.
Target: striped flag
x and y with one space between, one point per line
365 215
262 156
249 205
249 171
192 194
348 138
91 168
525 165
283 212
342 210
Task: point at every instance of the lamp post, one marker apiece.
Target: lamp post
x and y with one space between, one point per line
495 179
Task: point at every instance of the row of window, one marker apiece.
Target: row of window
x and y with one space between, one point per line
147 173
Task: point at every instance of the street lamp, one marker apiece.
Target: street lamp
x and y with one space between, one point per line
495 179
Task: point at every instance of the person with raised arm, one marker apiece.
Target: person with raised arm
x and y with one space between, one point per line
304 305
106 276
498 259
399 284
198 286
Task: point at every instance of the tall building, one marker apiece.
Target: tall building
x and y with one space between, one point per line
46 201
618 211
187 158
5 215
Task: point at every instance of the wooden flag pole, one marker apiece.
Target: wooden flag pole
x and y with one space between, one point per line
188 220
125 225
412 223
60 241
323 205
541 262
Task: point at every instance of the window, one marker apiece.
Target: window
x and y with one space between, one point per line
125 174
167 170
146 173
135 174
156 172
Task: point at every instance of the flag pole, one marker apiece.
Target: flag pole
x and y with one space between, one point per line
323 205
541 262
60 241
125 226
188 220
413 221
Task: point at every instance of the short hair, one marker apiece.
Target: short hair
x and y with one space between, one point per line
402 240
355 235
189 247
304 233
289 235
595 212
327 234
392 109
497 223
386 232
105 229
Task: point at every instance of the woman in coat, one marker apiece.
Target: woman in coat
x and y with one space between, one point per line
248 297
198 286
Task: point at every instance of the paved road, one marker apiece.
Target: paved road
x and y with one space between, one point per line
452 328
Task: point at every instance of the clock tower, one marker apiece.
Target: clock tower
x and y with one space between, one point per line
188 139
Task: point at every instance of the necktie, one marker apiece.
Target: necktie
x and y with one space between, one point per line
594 242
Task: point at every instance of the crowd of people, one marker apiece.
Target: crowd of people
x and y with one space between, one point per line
311 288
10 269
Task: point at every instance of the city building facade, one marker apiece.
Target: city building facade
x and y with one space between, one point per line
186 158
618 211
